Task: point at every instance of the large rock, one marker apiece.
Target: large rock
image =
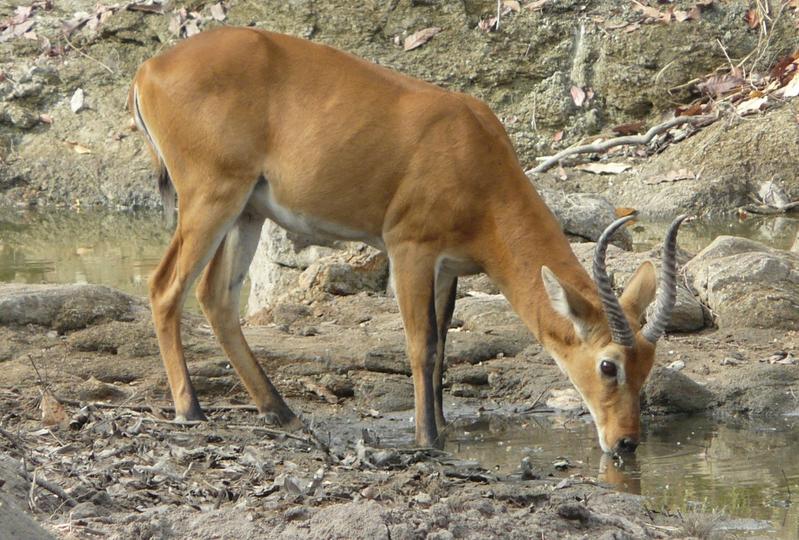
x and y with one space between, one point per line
65 307
747 284
668 391
688 312
288 267
584 215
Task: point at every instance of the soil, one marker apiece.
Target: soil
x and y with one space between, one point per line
127 472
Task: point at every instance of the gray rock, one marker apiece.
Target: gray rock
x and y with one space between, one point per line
477 375
482 312
669 391
688 314
747 284
386 359
584 214
65 307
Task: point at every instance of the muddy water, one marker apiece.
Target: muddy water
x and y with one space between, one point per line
118 250
747 470
121 250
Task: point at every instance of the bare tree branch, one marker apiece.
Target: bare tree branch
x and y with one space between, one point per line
618 141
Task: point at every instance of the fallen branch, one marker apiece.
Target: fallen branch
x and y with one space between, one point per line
618 141
766 210
49 486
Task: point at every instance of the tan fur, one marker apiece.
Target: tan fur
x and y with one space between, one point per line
430 173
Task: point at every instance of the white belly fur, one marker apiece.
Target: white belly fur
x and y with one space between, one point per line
262 202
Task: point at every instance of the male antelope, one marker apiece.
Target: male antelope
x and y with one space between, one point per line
247 125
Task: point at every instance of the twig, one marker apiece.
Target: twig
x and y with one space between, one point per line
149 408
618 141
76 49
16 441
49 486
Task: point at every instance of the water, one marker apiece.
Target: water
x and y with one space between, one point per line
58 246
746 469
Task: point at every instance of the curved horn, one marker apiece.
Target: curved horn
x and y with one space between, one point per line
619 327
667 293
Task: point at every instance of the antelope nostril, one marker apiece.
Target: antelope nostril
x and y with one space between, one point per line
627 445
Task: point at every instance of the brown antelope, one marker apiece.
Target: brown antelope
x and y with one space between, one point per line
247 125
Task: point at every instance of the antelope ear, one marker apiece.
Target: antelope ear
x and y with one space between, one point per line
567 301
639 291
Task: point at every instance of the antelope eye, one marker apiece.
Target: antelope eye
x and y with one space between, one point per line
608 368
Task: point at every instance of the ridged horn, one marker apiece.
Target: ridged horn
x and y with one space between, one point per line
619 327
667 291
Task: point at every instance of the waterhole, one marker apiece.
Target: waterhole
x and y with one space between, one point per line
746 471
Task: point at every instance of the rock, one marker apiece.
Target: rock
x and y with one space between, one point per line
747 284
688 314
349 274
476 375
289 313
387 359
585 215
116 337
339 386
351 521
669 391
677 365
385 392
482 312
16 522
65 307
95 390
567 399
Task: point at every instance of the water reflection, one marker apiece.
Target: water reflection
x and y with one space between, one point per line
747 469
58 246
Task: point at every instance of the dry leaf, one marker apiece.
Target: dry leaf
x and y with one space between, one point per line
76 103
751 105
53 412
604 168
630 128
218 12
45 118
652 13
557 136
192 28
488 25
672 176
512 5
720 84
534 6
78 148
417 39
175 24
578 95
792 88
690 110
623 211
752 18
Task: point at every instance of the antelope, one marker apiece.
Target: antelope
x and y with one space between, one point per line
246 125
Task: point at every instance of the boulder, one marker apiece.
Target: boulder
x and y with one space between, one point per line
668 391
584 215
65 307
747 284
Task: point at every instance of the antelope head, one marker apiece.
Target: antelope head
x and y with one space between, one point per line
609 356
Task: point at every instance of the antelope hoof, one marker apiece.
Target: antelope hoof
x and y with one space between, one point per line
285 420
193 415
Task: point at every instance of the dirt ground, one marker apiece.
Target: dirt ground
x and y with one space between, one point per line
115 467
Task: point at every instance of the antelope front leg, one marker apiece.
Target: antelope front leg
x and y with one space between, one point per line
413 271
